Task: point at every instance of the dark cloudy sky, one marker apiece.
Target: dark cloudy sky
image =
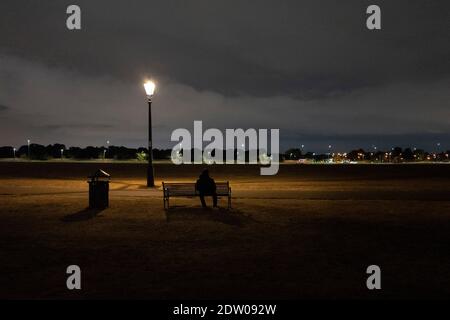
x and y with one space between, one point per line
310 68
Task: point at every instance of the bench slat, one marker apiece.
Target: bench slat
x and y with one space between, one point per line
187 189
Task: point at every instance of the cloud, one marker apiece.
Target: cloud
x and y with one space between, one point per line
3 108
59 105
78 126
302 49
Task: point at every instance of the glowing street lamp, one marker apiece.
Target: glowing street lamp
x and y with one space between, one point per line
149 87
62 153
14 153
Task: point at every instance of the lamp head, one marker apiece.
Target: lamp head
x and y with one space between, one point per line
149 87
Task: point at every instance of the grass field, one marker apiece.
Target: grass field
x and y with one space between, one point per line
309 232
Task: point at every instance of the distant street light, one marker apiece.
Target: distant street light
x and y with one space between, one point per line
14 153
149 87
29 154
375 151
62 153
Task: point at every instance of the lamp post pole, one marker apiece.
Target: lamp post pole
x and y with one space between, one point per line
150 171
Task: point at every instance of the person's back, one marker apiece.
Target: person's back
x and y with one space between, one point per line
206 186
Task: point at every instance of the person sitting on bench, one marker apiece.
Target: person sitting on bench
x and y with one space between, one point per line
206 186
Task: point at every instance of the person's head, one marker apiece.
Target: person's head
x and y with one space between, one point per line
205 173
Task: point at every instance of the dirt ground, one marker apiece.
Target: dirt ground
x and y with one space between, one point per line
309 232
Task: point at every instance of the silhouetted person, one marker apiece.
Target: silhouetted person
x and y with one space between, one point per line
206 187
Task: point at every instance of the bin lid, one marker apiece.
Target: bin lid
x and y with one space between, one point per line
99 174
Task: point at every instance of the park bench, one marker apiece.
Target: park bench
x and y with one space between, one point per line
187 189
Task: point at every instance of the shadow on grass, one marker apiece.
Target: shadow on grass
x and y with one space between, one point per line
231 217
83 215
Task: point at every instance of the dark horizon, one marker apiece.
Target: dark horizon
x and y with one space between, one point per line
53 151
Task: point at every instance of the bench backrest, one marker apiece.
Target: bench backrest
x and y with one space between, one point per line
188 188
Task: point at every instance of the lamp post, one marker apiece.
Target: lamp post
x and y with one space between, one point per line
14 153
375 152
29 155
106 151
62 153
149 87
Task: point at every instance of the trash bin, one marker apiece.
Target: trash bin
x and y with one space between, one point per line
99 190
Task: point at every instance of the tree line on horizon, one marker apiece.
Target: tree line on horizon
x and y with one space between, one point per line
58 151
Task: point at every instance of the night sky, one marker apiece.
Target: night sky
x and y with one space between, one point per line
310 68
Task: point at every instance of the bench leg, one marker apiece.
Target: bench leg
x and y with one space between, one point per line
166 203
229 202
